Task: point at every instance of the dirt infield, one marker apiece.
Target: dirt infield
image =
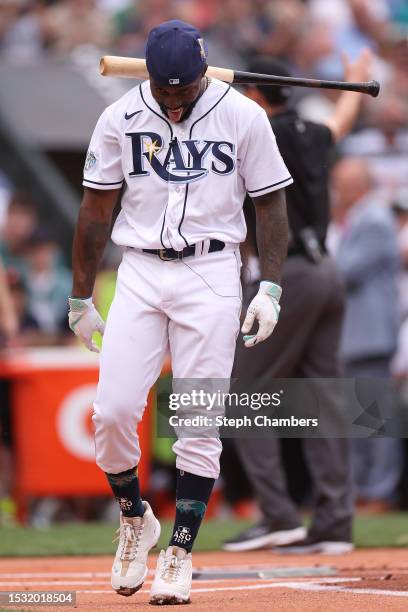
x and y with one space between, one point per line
364 580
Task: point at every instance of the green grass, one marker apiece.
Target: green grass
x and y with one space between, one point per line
379 531
95 538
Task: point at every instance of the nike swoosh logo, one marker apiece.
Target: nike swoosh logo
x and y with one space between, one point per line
132 114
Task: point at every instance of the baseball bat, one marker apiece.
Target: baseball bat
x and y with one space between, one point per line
135 68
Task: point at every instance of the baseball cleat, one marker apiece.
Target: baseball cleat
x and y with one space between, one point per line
172 580
264 535
310 546
136 535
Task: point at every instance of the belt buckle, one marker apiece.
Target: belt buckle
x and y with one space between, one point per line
163 256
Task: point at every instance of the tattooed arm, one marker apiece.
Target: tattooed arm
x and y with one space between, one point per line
271 234
91 235
272 241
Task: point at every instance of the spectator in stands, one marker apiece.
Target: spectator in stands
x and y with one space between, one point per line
353 25
9 12
71 23
20 221
135 22
400 209
399 206
384 143
363 239
38 282
48 283
29 330
253 28
23 40
313 45
204 14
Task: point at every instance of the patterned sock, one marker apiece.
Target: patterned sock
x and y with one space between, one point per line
193 493
126 489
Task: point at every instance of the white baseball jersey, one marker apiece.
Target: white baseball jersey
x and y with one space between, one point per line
184 182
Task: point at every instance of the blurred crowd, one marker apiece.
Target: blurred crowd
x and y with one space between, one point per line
308 33
311 36
38 280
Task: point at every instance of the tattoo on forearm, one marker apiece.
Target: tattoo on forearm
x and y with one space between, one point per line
91 236
271 234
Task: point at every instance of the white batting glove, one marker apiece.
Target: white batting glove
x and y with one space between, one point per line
265 309
84 321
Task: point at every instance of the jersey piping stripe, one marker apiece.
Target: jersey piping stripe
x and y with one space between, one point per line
162 228
209 111
184 203
191 133
154 112
267 186
182 215
171 137
96 182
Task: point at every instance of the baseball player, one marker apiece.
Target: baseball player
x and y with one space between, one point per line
186 150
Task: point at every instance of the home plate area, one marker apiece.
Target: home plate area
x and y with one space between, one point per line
363 580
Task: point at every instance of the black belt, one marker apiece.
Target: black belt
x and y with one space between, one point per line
171 254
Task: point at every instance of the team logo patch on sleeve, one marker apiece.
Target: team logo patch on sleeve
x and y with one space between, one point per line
90 160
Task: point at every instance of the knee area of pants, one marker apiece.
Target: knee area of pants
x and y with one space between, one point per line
116 417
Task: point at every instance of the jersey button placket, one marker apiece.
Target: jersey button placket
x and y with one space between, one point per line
175 206
171 215
176 199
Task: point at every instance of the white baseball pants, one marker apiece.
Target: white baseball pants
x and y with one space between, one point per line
190 307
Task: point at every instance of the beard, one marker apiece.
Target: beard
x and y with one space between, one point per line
187 110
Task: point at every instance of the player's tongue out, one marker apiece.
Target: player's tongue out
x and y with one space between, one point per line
175 114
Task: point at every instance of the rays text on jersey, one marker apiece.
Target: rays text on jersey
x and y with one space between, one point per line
181 161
